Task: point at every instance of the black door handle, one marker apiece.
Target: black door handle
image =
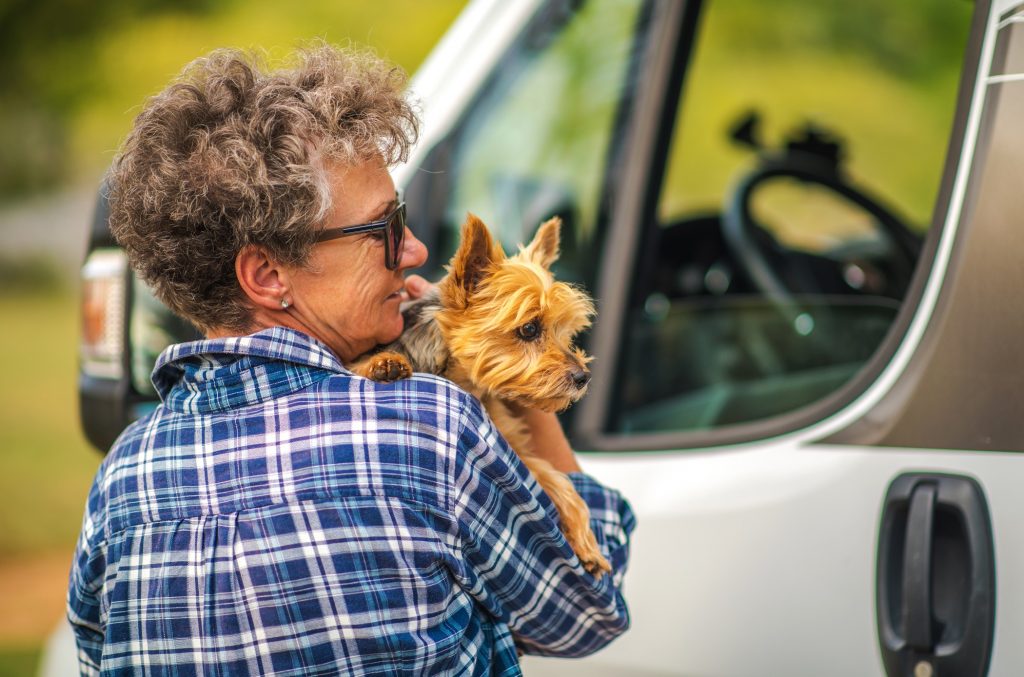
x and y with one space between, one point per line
935 587
917 569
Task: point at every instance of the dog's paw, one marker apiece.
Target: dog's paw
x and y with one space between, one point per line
597 567
387 367
577 530
573 514
575 522
590 555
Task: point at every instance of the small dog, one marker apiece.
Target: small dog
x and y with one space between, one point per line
502 329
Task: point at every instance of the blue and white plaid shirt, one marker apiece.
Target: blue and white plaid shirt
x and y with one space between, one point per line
277 514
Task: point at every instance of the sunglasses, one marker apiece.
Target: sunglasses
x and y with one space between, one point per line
393 227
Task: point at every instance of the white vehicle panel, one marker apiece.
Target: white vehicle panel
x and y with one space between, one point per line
761 561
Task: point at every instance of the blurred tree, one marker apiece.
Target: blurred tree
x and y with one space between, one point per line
48 48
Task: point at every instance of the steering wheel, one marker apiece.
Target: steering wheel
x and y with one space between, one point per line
780 273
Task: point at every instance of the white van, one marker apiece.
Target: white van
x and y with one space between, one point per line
802 223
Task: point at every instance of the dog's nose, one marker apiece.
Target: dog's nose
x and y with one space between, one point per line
580 377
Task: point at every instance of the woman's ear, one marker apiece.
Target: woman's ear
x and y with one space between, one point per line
263 281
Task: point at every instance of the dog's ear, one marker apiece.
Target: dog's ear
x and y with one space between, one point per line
476 253
545 245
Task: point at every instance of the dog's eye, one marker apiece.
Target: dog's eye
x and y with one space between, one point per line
529 331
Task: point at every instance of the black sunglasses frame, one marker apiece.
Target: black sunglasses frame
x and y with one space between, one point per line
393 226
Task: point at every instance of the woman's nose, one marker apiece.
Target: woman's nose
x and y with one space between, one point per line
414 252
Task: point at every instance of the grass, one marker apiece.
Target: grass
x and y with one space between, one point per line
18 661
47 464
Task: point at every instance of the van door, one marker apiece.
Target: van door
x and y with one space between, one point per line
807 388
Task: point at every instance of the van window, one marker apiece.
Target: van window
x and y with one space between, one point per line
805 161
536 143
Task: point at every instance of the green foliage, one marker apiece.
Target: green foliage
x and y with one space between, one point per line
76 72
46 48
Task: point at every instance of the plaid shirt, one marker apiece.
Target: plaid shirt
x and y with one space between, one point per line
278 514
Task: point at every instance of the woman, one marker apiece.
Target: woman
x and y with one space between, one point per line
277 514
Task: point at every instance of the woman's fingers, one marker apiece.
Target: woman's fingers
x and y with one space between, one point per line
416 286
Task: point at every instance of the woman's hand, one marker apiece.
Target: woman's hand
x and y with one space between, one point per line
416 286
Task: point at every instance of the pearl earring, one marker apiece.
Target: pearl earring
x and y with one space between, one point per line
284 303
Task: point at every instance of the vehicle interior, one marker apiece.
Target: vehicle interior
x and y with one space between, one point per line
784 292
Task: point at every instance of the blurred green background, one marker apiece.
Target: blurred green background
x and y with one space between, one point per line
77 70
75 74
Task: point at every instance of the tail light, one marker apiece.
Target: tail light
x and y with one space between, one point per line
103 312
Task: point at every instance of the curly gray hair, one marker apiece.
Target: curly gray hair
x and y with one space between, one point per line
232 154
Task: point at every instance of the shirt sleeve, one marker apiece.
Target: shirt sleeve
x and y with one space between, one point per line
83 601
516 562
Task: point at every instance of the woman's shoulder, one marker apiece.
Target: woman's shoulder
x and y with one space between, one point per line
416 390
426 401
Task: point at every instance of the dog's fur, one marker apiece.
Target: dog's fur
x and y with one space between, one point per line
473 330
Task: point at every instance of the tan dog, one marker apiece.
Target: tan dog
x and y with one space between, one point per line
502 329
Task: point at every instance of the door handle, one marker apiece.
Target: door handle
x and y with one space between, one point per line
917 569
935 585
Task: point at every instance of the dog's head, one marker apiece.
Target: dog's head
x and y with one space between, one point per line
510 325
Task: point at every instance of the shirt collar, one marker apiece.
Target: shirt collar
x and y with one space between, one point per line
220 374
